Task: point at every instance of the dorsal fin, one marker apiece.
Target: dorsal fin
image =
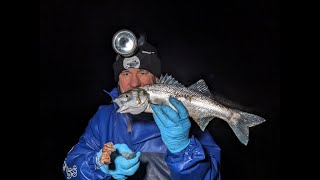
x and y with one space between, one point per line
202 87
168 79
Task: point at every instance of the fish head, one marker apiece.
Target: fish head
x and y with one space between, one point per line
134 101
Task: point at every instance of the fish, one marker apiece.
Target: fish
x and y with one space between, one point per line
198 100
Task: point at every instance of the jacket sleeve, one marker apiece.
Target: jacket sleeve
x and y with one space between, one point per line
81 160
201 159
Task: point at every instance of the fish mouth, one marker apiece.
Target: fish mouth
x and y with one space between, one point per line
134 109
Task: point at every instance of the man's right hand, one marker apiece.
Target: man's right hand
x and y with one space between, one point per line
123 167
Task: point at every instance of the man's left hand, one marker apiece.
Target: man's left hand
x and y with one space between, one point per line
174 125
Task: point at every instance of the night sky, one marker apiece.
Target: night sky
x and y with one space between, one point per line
233 45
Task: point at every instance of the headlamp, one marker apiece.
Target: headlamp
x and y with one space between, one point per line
124 43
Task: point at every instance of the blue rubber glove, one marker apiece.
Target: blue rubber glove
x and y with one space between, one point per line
174 126
123 167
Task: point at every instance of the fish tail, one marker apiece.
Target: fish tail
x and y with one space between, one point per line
240 123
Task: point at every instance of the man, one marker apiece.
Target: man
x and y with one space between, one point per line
164 149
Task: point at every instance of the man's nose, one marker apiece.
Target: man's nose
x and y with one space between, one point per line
135 81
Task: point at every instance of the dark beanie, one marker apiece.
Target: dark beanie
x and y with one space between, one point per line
145 58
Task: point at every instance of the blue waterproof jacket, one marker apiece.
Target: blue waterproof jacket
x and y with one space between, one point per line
199 160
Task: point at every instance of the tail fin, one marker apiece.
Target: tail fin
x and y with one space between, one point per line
240 125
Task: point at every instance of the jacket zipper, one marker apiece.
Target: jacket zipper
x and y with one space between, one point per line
129 128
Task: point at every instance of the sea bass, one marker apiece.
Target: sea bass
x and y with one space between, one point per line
198 100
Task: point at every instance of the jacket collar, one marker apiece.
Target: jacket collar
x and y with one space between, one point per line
114 93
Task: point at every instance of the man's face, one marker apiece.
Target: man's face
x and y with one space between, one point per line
132 78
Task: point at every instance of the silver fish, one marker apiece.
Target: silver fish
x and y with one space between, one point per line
196 98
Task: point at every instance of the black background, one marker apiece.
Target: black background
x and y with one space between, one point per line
233 45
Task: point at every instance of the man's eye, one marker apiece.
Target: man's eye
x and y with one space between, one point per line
144 72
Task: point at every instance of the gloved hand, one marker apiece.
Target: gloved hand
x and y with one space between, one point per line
123 167
174 126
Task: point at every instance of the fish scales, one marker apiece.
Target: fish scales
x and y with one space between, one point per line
196 103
